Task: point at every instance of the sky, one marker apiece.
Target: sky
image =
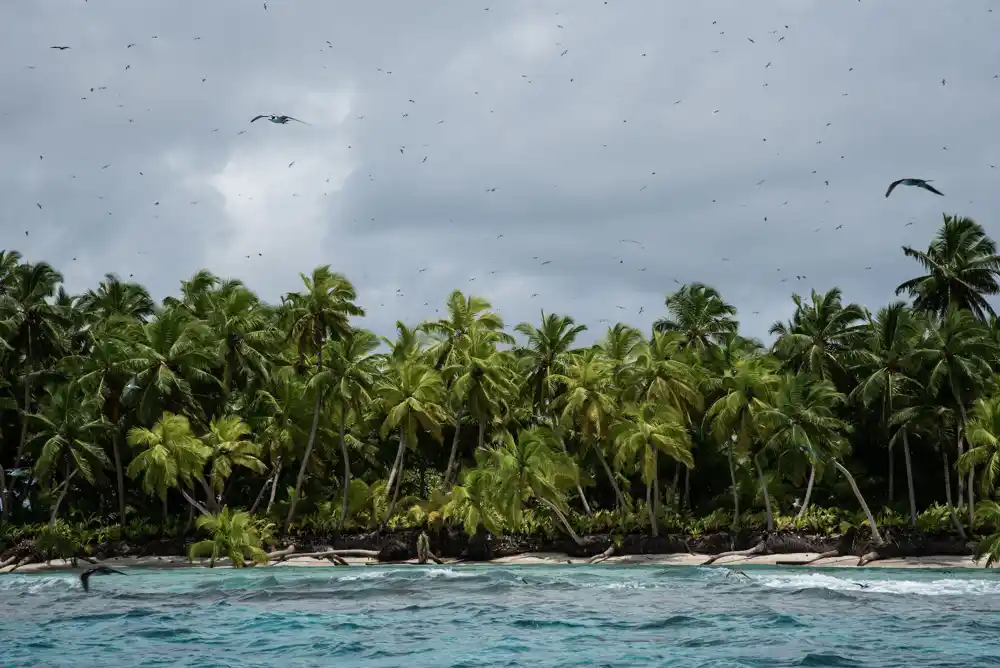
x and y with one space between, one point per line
620 148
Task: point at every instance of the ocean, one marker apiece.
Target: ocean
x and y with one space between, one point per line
481 616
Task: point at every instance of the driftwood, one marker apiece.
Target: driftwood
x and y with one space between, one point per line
424 553
602 556
336 556
824 555
13 560
759 548
281 554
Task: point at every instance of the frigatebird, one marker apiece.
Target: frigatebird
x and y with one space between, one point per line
97 570
275 118
61 48
920 183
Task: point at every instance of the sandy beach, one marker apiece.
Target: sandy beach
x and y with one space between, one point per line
533 559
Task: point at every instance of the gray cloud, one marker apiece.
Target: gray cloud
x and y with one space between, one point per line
583 149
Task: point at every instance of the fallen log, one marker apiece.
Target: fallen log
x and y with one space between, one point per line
281 554
9 562
759 548
335 554
824 555
602 556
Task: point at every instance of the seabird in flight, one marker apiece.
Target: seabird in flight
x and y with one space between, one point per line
97 570
275 118
920 183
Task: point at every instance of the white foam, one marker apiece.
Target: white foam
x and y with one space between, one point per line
34 584
944 587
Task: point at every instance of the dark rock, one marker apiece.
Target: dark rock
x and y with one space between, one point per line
395 550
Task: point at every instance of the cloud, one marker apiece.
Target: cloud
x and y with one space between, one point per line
565 127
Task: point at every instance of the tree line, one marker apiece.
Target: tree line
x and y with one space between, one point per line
116 410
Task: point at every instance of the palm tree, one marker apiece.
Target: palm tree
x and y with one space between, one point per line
699 314
744 393
67 429
243 324
34 327
168 356
885 362
802 417
116 298
464 313
956 354
530 467
962 268
544 354
233 535
226 437
348 378
319 314
820 333
984 443
640 437
412 397
481 383
587 403
172 459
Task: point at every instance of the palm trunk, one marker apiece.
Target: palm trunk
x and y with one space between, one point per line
909 481
947 495
892 477
864 506
393 472
274 485
395 490
809 491
961 450
446 483
309 445
579 488
260 494
209 494
767 495
59 500
116 451
190 499
657 507
347 468
4 500
675 485
687 487
611 476
654 529
25 405
736 496
562 519
972 470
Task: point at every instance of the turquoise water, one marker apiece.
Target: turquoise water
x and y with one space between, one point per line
480 616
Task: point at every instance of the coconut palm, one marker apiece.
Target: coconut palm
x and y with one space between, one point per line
67 428
819 334
699 314
172 458
227 437
984 443
115 298
885 364
412 397
316 316
464 313
802 417
544 354
233 535
962 268
641 436
348 377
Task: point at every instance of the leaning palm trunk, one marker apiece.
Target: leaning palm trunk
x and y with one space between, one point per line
611 476
892 476
736 496
62 495
579 487
394 471
260 494
909 481
763 488
347 469
562 520
119 473
947 496
809 491
446 483
274 485
864 506
395 490
25 405
972 470
309 445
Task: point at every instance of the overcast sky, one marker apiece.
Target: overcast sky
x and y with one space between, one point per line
729 138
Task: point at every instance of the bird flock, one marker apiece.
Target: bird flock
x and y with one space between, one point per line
770 51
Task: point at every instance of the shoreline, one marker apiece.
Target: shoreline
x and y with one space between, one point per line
531 559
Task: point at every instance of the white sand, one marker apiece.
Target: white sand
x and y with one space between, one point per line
530 559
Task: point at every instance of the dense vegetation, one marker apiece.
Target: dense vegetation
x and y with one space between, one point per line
126 417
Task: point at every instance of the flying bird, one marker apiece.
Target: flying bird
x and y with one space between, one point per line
61 48
98 570
275 118
920 183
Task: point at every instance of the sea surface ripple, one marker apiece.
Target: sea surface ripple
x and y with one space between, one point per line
481 616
